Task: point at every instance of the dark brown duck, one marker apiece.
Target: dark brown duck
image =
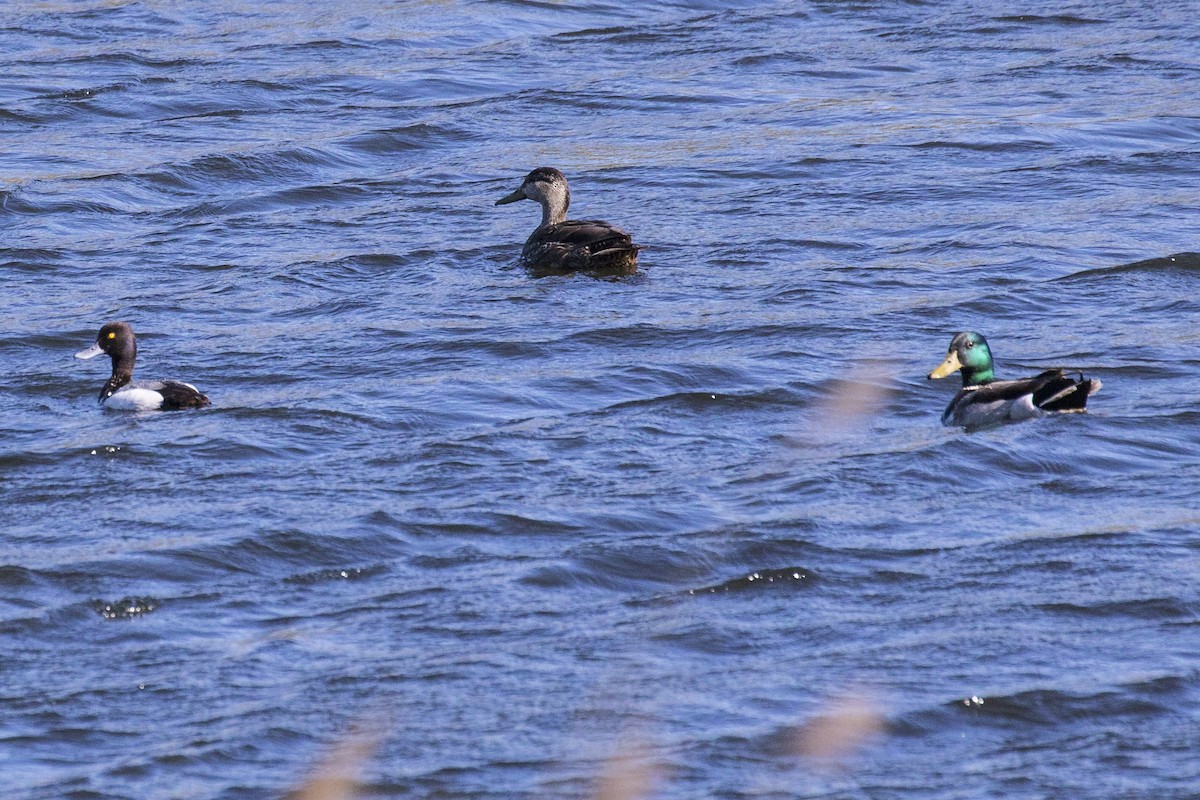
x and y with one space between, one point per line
562 245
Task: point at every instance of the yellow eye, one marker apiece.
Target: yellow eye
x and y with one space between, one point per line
112 335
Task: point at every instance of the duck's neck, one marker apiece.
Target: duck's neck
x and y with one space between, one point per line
555 203
122 363
977 376
117 380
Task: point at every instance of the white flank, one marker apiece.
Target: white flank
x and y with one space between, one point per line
135 399
1023 408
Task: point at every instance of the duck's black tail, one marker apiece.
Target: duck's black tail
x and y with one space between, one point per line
1060 393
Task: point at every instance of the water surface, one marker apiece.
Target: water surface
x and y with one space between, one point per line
516 526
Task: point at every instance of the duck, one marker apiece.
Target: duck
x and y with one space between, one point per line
983 400
117 341
561 245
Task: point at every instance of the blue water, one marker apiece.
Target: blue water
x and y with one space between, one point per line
514 527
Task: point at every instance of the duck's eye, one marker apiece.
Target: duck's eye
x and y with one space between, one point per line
112 334
969 345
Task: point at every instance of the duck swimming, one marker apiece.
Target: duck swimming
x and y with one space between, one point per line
983 400
561 245
116 339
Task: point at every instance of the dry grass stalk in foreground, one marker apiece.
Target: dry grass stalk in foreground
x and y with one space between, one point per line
840 730
336 776
628 775
854 400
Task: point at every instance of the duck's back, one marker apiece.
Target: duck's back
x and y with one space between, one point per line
156 396
177 394
1050 392
581 245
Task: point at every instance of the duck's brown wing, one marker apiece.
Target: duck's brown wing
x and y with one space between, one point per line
580 245
1049 392
594 234
1044 384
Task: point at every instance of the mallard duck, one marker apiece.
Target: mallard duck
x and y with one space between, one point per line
983 400
563 245
116 340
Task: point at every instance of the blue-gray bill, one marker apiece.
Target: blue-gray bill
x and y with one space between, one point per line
90 352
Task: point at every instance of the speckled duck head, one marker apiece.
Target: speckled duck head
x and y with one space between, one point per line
547 186
968 352
115 340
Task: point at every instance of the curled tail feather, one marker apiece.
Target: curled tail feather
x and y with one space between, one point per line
1065 394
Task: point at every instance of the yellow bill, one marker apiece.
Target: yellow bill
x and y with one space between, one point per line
948 367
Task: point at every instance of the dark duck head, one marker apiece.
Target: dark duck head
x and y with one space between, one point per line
561 245
115 340
969 353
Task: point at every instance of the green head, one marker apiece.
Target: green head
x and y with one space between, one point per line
968 352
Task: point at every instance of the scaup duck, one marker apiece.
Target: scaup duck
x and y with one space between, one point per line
983 400
116 339
562 245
